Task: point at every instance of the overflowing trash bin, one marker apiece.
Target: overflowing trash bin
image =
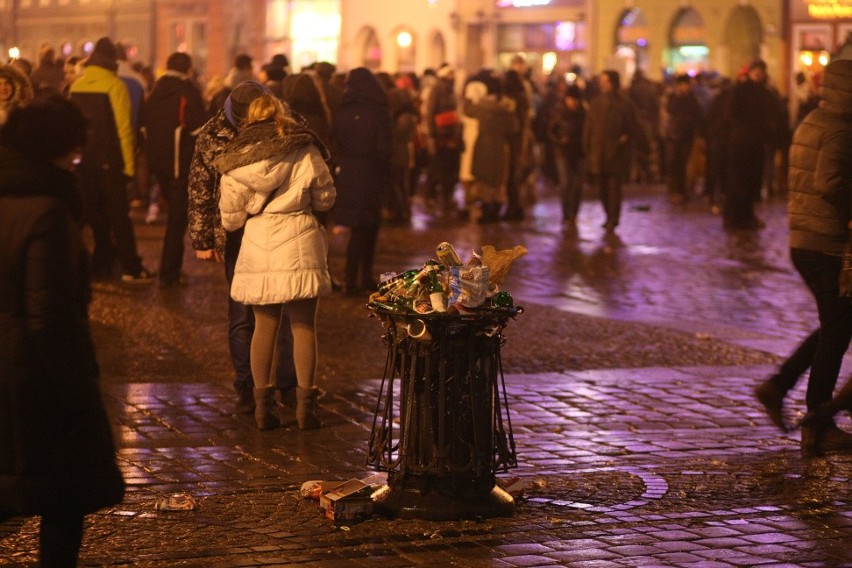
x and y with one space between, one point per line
441 428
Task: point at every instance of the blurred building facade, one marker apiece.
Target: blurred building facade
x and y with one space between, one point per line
557 36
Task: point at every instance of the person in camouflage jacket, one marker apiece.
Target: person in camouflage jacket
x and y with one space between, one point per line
205 225
212 243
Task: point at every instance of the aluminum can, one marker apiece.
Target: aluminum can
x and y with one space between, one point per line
447 255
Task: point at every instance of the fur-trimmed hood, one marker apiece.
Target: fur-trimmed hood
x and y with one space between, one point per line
262 141
23 88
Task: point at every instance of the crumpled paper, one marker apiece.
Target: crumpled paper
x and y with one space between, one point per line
499 261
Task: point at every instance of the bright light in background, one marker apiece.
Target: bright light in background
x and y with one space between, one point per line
807 58
566 36
314 25
548 62
314 32
14 53
403 39
823 58
522 3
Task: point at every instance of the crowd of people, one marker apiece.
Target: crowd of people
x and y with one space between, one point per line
258 164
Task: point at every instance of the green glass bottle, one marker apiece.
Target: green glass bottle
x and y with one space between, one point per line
437 297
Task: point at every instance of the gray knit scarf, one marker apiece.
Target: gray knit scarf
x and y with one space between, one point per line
261 141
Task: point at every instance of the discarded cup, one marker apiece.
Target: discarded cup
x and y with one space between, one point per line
417 330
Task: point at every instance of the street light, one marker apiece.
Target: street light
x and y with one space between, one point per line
403 39
14 53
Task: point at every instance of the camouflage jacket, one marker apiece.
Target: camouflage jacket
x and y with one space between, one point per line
205 225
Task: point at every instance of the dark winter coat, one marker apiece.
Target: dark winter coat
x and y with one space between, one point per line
565 132
363 134
56 447
205 225
404 127
611 128
685 118
820 175
750 118
497 123
301 93
175 103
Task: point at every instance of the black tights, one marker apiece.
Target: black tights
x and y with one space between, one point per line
60 538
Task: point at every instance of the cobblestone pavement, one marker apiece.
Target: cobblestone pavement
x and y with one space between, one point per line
628 378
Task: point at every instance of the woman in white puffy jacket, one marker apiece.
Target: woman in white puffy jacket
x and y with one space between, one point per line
274 177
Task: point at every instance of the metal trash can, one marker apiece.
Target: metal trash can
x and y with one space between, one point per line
441 427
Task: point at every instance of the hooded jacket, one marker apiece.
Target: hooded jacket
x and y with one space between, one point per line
364 137
172 117
105 101
56 447
272 185
22 90
820 174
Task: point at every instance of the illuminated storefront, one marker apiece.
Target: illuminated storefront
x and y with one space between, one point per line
688 52
551 34
817 29
632 40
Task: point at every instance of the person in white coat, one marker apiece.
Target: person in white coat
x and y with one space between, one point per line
274 177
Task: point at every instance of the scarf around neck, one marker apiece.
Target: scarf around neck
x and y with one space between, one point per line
262 141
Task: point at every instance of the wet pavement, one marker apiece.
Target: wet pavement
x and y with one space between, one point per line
628 378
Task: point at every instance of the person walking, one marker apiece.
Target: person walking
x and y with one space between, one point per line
820 179
363 134
57 457
750 125
108 161
441 119
214 244
565 135
684 124
170 120
274 177
397 202
611 128
497 125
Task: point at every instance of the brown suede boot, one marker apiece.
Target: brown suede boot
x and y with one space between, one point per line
286 398
265 409
306 408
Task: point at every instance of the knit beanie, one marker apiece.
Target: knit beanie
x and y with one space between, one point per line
237 103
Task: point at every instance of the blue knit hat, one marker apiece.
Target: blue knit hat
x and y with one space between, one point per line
237 103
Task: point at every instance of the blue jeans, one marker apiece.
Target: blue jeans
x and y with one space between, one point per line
821 273
241 329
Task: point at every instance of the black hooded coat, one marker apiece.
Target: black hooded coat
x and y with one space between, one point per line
364 138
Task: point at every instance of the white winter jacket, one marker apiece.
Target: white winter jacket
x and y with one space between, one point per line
284 248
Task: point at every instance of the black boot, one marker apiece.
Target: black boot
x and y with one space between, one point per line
286 398
772 399
820 434
245 400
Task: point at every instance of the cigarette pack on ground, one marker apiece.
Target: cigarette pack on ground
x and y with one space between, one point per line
348 501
